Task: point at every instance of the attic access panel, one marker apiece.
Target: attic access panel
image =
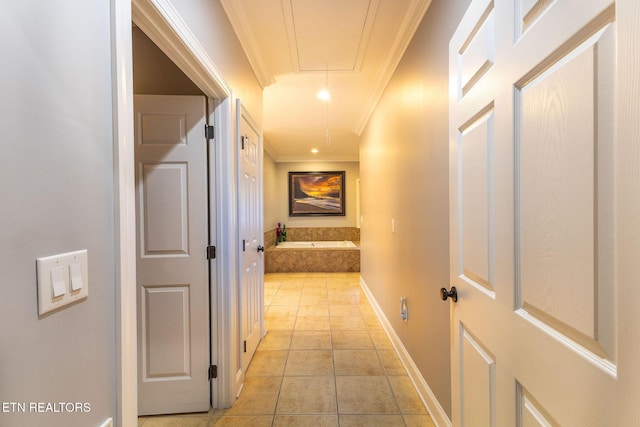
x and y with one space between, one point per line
330 34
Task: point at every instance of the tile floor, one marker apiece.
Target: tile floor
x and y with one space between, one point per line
325 361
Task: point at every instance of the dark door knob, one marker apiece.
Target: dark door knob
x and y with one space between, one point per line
260 248
453 294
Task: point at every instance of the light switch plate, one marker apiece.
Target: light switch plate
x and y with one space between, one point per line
80 273
58 281
75 277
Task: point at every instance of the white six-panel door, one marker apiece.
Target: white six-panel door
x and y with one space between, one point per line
172 278
251 236
532 142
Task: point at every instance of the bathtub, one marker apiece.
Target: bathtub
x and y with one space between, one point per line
312 256
318 244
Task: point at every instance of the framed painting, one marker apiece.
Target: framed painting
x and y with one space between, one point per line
316 193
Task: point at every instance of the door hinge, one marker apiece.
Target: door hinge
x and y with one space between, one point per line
242 138
213 371
245 346
211 252
209 132
244 245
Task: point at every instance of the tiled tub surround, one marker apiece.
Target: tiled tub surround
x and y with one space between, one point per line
306 234
270 238
331 260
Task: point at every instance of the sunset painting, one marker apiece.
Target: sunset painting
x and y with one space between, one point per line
316 193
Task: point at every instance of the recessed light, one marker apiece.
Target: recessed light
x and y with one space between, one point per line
314 150
324 95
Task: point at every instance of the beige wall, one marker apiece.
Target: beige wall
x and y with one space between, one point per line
270 186
404 172
209 23
154 73
277 195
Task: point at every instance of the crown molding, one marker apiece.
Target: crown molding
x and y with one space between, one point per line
309 159
269 149
247 40
410 23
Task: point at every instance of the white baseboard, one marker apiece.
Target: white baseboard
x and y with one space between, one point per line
438 415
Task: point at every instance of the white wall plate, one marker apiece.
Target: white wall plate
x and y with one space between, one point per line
62 280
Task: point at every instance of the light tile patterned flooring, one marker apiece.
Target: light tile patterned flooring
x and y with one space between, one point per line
325 361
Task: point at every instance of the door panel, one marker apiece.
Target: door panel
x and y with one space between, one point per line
562 243
163 222
478 378
173 287
251 232
476 53
166 334
530 413
531 113
475 148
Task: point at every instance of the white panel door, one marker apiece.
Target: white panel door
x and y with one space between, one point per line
172 278
532 196
251 236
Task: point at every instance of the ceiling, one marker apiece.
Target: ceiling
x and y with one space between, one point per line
298 47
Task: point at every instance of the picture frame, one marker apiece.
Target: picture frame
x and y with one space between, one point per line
317 193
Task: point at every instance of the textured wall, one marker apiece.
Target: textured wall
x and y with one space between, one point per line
56 192
404 172
270 186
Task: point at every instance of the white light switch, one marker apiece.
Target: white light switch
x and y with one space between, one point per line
58 286
76 276
62 280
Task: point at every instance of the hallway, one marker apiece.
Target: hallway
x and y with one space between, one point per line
325 361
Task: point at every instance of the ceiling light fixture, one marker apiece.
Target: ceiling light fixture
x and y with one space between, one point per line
324 95
314 150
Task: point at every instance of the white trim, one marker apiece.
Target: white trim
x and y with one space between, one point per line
243 30
269 149
325 159
213 118
254 125
226 243
242 113
125 220
240 373
159 20
438 415
408 28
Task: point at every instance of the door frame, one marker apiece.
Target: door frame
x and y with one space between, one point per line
243 114
163 25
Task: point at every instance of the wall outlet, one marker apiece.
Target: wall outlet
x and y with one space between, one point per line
404 312
393 225
107 423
